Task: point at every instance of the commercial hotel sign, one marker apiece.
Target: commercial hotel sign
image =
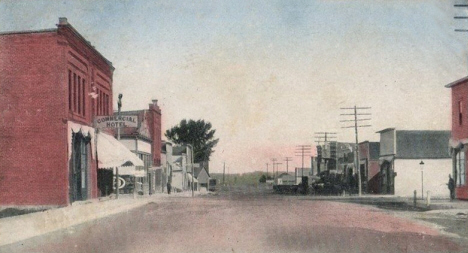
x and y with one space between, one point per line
117 121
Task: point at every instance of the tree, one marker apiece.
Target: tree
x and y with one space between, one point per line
197 133
262 179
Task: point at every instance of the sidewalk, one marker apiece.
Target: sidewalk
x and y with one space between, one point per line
437 206
22 227
445 206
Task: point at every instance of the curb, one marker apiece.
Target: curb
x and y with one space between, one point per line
19 228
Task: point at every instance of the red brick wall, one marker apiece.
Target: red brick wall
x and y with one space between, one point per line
33 126
460 93
373 169
374 177
154 120
34 165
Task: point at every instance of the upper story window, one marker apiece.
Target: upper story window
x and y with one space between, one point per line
76 93
102 103
460 113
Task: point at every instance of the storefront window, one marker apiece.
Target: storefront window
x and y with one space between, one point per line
461 168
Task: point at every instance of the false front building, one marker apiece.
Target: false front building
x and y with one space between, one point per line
402 152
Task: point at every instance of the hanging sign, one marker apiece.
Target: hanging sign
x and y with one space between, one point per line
117 121
121 183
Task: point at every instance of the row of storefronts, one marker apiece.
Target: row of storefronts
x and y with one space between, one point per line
402 162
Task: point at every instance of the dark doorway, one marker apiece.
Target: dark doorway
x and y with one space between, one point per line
386 172
105 180
364 179
79 168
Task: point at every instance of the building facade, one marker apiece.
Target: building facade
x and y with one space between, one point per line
52 84
459 140
402 152
370 167
145 141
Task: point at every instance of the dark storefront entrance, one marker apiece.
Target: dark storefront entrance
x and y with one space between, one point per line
387 178
79 168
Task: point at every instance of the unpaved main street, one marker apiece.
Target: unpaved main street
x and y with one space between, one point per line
245 220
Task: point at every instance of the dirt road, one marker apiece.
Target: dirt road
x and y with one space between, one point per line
245 220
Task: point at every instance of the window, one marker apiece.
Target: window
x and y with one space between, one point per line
100 102
460 166
107 105
79 95
74 92
460 113
70 90
84 97
97 101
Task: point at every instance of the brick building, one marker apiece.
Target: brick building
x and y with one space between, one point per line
459 138
145 141
52 84
370 167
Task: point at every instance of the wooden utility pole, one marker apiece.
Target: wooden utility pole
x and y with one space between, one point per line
356 126
117 181
276 168
287 159
325 137
224 171
273 161
303 150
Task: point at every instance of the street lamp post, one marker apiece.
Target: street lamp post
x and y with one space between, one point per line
421 164
117 181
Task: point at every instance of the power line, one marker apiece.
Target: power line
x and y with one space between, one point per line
302 150
461 17
324 135
273 161
356 126
276 168
287 160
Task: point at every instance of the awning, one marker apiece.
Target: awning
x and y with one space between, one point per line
155 168
86 131
112 153
387 158
189 176
131 171
457 144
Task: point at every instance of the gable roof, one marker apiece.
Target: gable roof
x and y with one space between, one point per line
198 170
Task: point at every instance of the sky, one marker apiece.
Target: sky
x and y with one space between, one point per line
269 74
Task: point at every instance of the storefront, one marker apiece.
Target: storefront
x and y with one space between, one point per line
113 156
81 153
458 150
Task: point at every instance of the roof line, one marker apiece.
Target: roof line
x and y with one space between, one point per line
457 82
385 130
29 31
83 39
